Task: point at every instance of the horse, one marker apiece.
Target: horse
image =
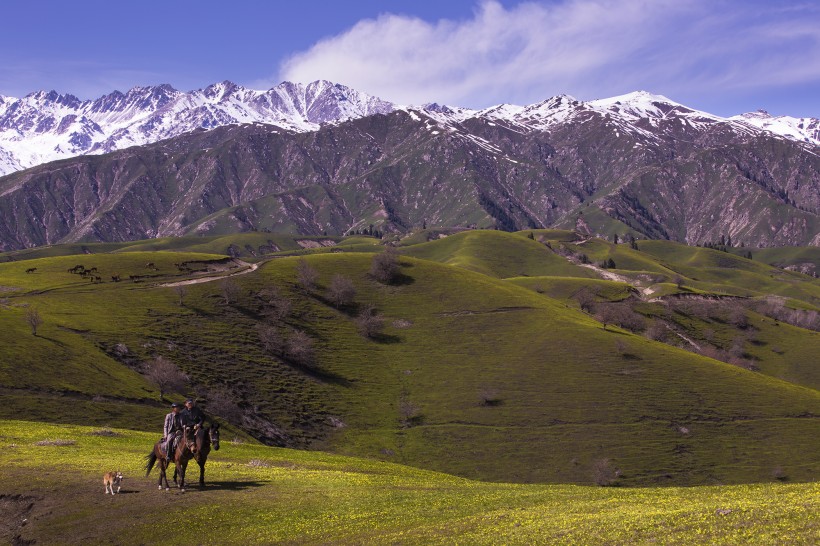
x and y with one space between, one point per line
31 270
205 438
184 452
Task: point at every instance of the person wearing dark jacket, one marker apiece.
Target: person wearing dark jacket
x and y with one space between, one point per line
171 428
192 415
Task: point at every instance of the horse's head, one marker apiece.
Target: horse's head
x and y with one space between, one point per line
189 436
213 432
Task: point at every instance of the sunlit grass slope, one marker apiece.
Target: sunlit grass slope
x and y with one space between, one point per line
497 254
259 495
565 393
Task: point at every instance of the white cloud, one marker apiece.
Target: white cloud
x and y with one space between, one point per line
588 48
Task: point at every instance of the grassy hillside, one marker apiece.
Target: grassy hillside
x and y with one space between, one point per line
473 375
498 254
53 494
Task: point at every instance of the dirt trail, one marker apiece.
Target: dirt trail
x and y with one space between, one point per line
249 268
610 276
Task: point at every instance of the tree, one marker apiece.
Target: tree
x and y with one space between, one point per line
306 275
33 319
369 323
615 238
230 290
531 236
300 349
181 291
166 375
272 339
678 280
385 266
341 291
604 472
274 305
586 299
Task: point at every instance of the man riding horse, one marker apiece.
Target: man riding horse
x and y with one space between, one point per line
192 415
171 429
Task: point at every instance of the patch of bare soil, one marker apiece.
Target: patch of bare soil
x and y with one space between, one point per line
14 515
309 243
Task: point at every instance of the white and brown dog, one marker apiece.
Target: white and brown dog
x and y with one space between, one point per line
110 479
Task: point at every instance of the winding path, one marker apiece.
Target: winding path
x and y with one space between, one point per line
249 268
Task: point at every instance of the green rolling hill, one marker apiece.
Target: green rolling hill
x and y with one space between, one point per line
486 367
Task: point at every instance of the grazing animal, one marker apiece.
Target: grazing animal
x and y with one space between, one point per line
31 270
205 438
92 270
115 278
95 279
184 452
110 479
77 269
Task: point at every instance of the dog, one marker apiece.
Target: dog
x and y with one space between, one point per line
110 479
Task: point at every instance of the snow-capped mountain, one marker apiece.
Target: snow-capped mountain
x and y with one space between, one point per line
46 126
800 129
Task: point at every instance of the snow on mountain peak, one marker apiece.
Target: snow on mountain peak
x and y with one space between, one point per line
46 125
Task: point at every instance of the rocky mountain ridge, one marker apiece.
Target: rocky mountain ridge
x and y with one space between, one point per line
636 164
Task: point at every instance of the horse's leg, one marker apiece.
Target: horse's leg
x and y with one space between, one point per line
201 473
182 466
163 475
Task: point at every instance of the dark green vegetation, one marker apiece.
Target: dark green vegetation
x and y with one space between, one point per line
488 358
665 179
53 494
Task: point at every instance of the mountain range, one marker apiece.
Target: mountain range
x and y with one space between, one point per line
323 157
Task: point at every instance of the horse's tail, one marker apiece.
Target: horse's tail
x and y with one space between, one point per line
150 460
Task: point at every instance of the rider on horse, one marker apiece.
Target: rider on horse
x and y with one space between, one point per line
192 415
171 429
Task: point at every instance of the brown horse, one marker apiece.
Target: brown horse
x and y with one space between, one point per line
184 452
204 439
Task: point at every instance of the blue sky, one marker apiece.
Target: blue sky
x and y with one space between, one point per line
723 56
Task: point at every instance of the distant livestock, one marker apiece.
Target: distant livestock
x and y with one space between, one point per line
31 270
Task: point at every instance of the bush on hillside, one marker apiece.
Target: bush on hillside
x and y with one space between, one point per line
604 473
230 291
166 376
275 306
341 291
385 266
299 348
369 323
306 275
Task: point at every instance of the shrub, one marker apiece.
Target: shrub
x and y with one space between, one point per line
272 339
166 375
230 291
300 349
341 291
275 306
181 291
306 276
409 413
604 473
489 396
33 319
385 266
657 331
369 323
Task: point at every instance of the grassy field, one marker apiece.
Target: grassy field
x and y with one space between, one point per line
556 394
52 494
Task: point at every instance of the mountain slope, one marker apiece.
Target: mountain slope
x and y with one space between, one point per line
676 175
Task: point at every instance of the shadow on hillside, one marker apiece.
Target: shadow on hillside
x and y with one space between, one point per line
386 339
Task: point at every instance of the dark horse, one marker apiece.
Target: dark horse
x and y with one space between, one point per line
186 446
204 439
